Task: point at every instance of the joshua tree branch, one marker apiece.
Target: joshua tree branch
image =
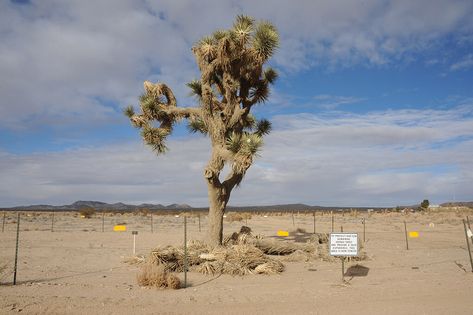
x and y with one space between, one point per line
240 165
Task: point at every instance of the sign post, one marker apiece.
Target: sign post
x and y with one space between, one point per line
314 223
469 228
343 245
331 212
152 228
134 233
199 223
468 233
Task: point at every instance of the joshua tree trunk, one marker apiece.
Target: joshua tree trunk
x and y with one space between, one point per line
217 202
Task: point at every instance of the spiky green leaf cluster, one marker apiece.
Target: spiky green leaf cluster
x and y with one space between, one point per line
243 27
155 137
196 88
153 109
270 75
197 125
129 111
260 127
263 127
266 40
244 144
234 143
251 143
260 93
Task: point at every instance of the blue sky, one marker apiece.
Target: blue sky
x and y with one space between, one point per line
374 105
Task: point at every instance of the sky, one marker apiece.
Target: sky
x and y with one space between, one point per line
373 106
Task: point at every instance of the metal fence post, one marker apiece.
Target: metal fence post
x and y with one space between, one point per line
52 222
185 251
152 227
405 231
16 249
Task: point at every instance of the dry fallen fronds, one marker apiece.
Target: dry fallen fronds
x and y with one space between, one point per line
279 247
243 253
270 267
209 268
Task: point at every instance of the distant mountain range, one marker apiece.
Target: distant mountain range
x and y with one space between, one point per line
98 205
119 206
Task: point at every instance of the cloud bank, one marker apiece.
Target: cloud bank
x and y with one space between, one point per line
378 159
78 62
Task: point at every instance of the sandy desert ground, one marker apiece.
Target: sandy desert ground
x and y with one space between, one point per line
78 269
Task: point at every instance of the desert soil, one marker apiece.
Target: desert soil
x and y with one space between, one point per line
78 269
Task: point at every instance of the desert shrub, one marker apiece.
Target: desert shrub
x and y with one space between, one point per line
424 204
237 216
143 211
87 212
153 275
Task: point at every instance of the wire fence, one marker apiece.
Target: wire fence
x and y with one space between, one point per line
261 223
436 232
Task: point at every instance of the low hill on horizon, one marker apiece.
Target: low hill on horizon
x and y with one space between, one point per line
119 206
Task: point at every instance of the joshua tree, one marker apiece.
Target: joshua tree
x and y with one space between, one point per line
232 81
425 204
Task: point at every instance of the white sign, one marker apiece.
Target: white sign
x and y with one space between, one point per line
343 244
468 232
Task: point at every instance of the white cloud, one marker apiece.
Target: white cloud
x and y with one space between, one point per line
465 63
68 60
331 102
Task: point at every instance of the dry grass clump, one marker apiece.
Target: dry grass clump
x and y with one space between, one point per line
3 269
152 275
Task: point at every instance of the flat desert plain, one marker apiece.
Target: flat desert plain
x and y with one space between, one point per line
78 269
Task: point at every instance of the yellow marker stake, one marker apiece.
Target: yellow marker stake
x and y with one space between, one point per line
283 233
413 234
119 228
